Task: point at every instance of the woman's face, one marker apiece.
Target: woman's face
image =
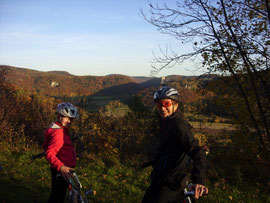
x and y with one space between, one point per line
166 107
65 121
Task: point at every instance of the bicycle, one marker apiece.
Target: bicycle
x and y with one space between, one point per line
188 194
74 185
74 194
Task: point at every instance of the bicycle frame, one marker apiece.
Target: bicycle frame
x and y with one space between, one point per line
74 195
188 196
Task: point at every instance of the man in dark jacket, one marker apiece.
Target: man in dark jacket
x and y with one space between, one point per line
176 143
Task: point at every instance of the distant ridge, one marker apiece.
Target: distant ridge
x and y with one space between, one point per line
62 83
28 70
114 86
141 79
59 72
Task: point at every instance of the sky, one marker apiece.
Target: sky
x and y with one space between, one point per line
83 37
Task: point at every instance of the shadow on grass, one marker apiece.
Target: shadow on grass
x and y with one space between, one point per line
26 190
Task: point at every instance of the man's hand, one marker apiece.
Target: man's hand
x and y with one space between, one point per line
65 172
199 190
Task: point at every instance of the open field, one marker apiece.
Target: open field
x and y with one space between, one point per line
215 126
91 103
118 111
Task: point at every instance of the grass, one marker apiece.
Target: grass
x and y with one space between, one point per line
23 180
92 103
114 182
231 177
118 111
212 126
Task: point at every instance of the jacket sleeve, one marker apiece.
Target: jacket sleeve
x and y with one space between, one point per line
55 144
195 152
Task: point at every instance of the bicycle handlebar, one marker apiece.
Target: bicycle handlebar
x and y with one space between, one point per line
38 156
71 171
191 193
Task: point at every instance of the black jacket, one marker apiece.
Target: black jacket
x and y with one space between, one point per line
176 142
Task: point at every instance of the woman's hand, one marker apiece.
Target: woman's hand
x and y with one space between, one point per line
65 172
199 190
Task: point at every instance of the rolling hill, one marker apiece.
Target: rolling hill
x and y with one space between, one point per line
61 83
98 89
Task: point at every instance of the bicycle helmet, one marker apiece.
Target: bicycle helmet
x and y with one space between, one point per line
67 109
166 93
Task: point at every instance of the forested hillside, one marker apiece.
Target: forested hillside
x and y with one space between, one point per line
60 83
95 92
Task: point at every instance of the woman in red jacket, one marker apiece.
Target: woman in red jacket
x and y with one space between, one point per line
59 150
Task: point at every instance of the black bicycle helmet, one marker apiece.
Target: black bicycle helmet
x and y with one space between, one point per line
166 93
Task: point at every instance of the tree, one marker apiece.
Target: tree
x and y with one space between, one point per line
138 108
231 38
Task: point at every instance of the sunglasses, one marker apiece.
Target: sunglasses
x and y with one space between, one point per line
166 104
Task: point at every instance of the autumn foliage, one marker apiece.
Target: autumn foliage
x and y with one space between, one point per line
60 83
25 116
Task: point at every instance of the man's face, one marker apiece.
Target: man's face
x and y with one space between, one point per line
166 107
65 121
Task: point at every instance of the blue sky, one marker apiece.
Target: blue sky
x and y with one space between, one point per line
83 37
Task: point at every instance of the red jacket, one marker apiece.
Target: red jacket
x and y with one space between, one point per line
58 146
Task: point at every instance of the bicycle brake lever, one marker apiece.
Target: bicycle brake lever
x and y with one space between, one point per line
71 171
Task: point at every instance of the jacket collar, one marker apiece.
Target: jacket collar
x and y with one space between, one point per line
59 124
